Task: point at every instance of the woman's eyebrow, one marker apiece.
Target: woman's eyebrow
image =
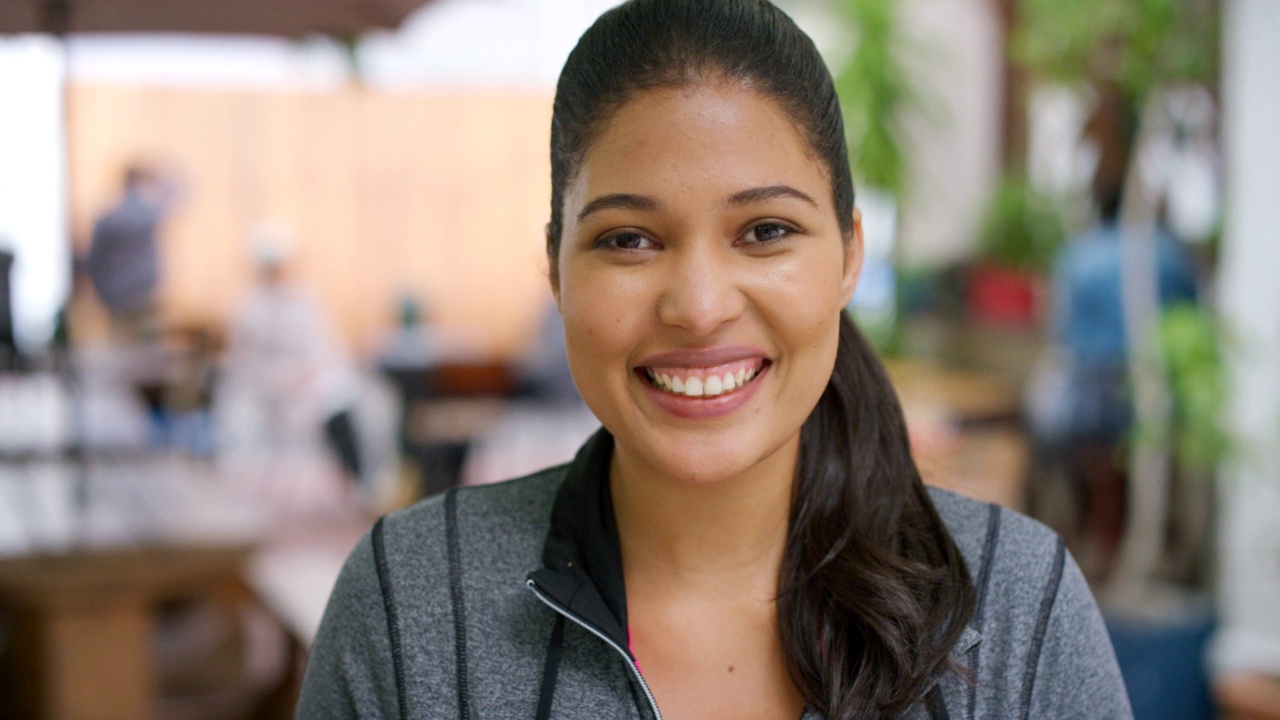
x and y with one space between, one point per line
769 192
618 201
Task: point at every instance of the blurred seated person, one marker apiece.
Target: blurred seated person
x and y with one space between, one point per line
288 382
409 355
414 344
543 373
123 260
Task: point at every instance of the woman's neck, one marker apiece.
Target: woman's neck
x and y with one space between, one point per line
725 534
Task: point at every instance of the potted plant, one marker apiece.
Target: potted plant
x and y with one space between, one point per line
1020 235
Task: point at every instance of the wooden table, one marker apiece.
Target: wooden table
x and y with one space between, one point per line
965 430
79 625
971 397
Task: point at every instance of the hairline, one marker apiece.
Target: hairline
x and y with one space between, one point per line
703 74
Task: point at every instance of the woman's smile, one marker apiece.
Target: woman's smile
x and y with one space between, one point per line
703 373
703 383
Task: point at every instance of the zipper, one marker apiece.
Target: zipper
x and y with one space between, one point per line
653 704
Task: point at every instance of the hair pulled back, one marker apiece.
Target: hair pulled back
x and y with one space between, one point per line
873 591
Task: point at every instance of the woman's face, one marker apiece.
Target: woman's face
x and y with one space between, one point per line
701 276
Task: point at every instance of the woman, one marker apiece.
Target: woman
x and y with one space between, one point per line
747 537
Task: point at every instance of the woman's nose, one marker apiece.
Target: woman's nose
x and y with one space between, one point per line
700 293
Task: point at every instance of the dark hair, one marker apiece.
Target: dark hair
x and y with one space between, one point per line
873 591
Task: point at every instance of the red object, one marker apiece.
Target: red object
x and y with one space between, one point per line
999 295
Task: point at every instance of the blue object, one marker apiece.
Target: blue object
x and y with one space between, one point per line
1163 665
1088 312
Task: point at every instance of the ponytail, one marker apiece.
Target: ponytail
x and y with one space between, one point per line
874 592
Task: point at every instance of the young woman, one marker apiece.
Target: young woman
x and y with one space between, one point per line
747 536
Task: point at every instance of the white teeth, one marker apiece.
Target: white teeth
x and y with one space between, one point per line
713 387
693 387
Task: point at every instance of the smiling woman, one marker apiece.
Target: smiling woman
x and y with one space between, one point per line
748 526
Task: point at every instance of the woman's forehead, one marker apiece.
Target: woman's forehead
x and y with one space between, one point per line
686 137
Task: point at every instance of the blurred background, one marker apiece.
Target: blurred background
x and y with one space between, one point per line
269 269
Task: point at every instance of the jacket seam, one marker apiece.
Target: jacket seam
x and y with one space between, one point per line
984 580
937 704
457 601
1042 626
551 669
393 622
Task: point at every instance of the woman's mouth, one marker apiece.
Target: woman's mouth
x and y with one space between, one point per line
705 382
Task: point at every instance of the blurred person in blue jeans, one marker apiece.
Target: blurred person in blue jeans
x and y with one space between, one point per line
1080 406
1088 321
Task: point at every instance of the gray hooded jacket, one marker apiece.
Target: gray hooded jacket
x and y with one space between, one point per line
502 601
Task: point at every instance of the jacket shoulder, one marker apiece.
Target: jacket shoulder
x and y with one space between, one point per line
395 608
990 535
1043 650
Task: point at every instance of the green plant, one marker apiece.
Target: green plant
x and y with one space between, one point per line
1021 228
1191 342
1138 44
874 89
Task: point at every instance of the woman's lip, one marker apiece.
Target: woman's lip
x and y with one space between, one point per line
699 408
703 357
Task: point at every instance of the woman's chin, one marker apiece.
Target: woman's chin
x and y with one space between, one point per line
710 461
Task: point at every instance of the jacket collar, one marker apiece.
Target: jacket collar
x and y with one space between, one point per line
582 560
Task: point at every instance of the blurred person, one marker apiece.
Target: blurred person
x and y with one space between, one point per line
747 536
543 373
1078 395
409 355
123 260
288 382
414 344
1088 319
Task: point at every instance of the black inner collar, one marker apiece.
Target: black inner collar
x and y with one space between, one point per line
582 557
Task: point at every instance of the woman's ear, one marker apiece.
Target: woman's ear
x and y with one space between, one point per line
852 260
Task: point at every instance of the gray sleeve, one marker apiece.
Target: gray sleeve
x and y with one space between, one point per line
1074 674
350 673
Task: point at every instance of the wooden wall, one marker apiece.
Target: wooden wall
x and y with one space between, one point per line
440 195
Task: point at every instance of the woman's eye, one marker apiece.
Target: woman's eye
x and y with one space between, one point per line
626 241
766 232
